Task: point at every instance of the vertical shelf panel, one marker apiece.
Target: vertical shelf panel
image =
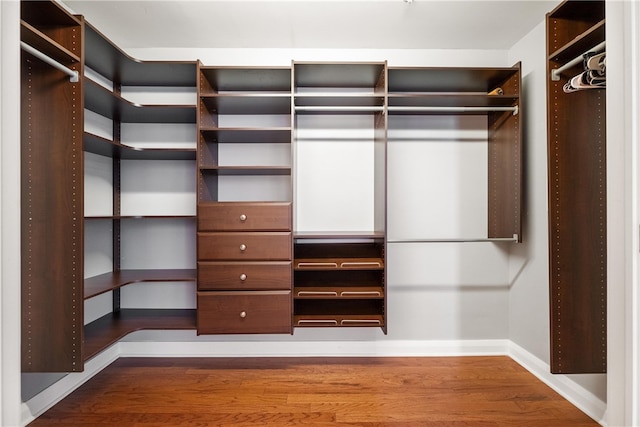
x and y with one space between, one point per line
52 208
577 208
505 166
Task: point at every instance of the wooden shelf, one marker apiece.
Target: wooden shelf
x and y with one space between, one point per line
338 235
111 62
113 106
339 100
459 99
453 80
247 170
116 279
570 22
54 26
248 103
333 75
249 135
244 79
110 328
331 263
37 39
337 320
580 44
119 217
338 291
105 147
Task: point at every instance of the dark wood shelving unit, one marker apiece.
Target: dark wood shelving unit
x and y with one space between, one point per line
466 91
51 192
110 62
339 282
255 273
577 195
55 338
244 244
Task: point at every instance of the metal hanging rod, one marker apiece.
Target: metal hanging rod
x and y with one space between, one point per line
338 109
514 109
73 75
555 73
457 240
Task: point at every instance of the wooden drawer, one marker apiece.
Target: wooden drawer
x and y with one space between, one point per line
232 216
259 246
219 275
244 312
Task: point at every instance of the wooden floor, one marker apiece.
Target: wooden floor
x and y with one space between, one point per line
313 392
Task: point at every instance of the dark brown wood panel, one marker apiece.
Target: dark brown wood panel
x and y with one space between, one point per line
505 166
256 275
577 212
52 213
240 216
244 312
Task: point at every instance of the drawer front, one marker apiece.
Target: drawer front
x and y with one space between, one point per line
244 246
250 312
231 216
257 275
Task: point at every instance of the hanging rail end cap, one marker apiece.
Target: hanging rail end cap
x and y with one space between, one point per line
555 76
75 78
516 110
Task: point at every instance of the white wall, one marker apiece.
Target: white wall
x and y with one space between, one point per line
623 95
10 214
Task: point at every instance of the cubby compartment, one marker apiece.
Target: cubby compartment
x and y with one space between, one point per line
339 282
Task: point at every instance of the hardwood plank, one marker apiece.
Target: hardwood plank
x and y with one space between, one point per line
287 392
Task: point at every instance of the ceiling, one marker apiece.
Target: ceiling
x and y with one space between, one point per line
331 24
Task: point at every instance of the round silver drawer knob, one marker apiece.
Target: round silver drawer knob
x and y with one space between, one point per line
243 314
243 247
243 217
243 277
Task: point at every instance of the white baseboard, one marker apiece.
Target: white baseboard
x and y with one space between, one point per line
313 348
571 391
583 399
44 400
